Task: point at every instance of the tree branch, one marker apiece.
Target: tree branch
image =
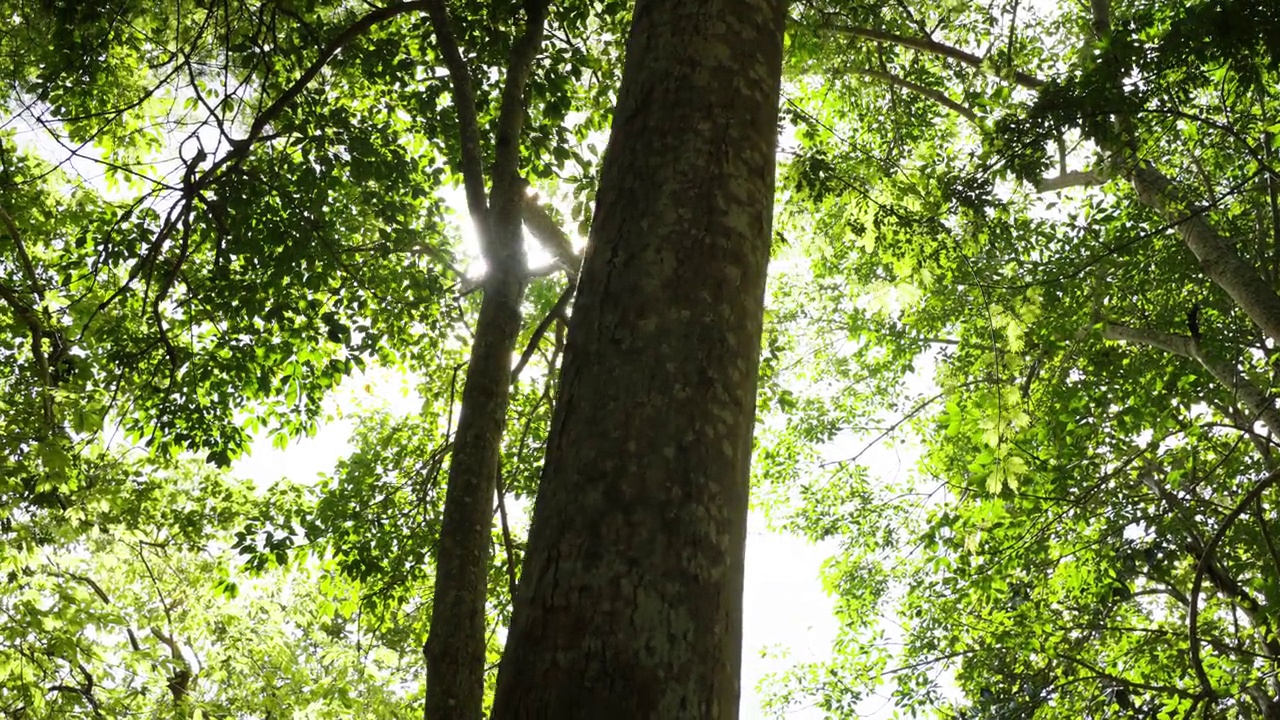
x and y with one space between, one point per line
180 681
550 235
1254 399
1069 179
464 99
28 267
932 47
512 112
557 311
1218 259
923 91
30 316
1202 567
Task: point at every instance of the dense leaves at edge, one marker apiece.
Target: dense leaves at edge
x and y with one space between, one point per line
1090 530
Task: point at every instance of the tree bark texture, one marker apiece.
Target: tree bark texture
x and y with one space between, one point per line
455 649
1219 260
456 641
630 603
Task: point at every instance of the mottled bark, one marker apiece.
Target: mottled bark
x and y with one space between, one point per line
1219 260
630 604
456 642
1259 405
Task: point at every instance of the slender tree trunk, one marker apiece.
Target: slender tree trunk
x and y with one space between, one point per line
456 642
630 605
455 650
1219 260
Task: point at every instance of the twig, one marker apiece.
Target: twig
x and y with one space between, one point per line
926 92
506 536
1193 613
556 311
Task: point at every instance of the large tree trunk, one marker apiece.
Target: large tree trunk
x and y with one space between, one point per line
630 605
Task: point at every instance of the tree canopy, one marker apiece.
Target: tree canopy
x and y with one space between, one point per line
1040 241
1071 221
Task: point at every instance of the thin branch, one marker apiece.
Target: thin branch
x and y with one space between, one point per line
1257 402
507 545
240 148
84 692
1070 179
464 99
97 589
1267 538
1273 204
556 311
1202 566
926 92
919 408
932 47
193 185
1103 674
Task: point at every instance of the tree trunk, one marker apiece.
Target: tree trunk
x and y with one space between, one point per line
630 605
456 641
1217 257
455 650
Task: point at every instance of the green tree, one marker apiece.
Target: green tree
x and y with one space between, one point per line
1072 215
455 649
1045 238
297 237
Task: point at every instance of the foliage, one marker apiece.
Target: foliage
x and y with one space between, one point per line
132 603
1074 542
212 217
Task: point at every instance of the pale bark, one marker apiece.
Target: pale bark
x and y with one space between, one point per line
630 605
1070 179
1258 404
1219 260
